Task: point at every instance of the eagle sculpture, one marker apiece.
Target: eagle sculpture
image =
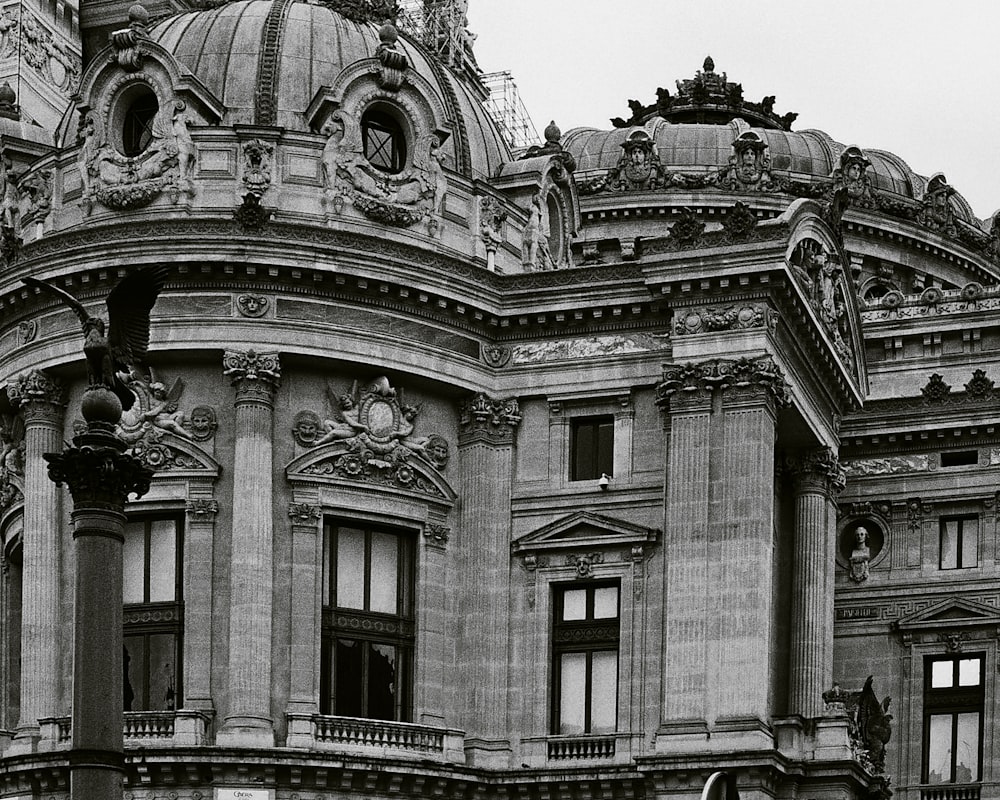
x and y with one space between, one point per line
120 345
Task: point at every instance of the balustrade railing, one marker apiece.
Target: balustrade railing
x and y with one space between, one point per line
378 733
950 791
581 747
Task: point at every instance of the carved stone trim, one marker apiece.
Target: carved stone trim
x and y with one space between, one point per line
202 508
437 535
743 379
484 419
817 470
303 513
723 318
256 376
252 305
39 397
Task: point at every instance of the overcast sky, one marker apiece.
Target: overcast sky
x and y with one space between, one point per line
918 78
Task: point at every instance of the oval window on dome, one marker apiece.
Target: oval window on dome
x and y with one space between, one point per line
384 140
138 119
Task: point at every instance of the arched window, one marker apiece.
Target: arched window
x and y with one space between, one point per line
384 140
137 125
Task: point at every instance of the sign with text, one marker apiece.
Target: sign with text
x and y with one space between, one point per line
244 794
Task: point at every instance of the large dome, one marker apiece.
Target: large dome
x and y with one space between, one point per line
257 55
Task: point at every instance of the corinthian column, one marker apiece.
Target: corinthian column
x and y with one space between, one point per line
256 377
485 447
818 477
41 400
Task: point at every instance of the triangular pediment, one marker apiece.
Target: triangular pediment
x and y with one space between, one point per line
585 529
168 453
954 612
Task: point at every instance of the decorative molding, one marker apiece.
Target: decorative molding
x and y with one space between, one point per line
584 564
304 512
27 330
24 36
437 535
746 376
496 355
818 470
484 419
252 305
256 376
723 318
258 156
202 508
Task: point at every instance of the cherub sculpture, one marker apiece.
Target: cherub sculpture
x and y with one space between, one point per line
120 345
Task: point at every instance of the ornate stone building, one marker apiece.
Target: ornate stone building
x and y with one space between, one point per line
609 469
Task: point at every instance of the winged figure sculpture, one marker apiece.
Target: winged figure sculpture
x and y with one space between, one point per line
119 345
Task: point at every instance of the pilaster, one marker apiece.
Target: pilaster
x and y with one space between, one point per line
485 447
718 523
306 518
198 555
818 477
41 400
256 377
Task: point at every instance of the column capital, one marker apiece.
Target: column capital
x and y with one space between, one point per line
690 386
484 419
817 470
39 397
202 508
304 514
100 475
256 376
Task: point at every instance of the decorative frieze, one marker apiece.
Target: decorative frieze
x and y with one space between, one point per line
723 318
252 305
485 419
891 465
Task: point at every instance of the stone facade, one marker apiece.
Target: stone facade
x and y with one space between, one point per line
411 428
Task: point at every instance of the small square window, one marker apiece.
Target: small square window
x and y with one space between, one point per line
592 448
959 542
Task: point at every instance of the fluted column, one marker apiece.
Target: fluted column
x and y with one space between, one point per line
256 377
718 541
41 400
485 447
817 477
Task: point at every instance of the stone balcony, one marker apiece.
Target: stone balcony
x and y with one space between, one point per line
547 751
375 737
181 728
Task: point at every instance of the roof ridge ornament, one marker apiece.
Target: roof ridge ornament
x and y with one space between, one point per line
128 54
708 97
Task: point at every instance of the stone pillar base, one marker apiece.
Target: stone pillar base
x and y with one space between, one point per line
27 739
488 753
300 730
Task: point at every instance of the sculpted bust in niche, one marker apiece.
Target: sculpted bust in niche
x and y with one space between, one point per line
860 555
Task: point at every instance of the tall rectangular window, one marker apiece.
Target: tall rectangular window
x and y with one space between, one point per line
153 612
368 628
592 448
959 542
585 634
953 718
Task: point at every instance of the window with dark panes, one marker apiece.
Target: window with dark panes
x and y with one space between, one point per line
137 127
153 613
585 632
953 718
592 448
383 141
959 542
368 628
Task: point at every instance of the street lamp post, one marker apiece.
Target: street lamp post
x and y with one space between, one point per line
100 476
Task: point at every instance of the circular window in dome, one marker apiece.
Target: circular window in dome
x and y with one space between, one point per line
384 140
139 110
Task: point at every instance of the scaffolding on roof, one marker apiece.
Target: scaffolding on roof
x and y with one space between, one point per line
441 26
508 111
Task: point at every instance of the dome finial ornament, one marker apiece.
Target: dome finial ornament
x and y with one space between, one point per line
709 65
8 102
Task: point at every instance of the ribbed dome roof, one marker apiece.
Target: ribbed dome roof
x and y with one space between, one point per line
288 49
